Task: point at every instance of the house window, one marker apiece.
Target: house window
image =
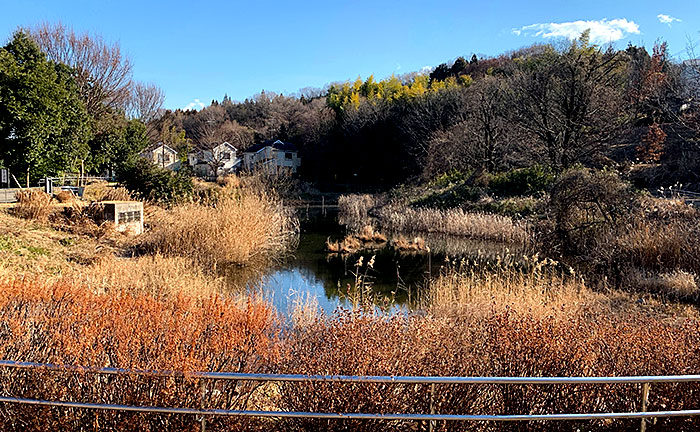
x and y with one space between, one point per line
287 155
225 156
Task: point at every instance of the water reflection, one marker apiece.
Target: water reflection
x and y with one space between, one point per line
311 271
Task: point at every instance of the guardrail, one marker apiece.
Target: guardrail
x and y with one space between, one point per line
9 195
432 417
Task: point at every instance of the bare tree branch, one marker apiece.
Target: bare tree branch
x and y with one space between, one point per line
102 73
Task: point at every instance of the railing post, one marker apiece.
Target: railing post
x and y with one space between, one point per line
431 424
645 402
203 418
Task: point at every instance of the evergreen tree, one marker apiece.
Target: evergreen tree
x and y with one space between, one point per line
44 127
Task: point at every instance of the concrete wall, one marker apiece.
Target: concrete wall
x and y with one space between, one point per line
126 215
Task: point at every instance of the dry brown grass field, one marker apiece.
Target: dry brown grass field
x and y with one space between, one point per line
74 294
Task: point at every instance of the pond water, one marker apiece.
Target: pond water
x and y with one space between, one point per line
310 271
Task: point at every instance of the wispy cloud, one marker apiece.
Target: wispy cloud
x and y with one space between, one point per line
667 19
195 105
602 31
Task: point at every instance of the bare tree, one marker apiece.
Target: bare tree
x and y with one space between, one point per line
102 72
210 128
568 101
487 122
146 102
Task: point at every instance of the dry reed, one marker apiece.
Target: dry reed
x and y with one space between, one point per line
102 191
403 244
237 230
454 222
33 204
354 210
155 275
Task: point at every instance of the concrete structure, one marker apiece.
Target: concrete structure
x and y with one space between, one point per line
127 216
221 159
272 156
164 156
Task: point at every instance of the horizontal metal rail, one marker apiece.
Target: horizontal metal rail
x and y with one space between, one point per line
203 413
363 379
356 416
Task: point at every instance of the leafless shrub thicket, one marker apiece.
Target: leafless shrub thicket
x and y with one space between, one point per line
68 324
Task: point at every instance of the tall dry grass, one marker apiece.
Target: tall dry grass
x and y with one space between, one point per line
103 191
527 284
69 324
238 230
354 210
148 275
33 204
454 222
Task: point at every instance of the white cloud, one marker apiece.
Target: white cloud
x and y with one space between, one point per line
195 105
426 69
602 31
667 19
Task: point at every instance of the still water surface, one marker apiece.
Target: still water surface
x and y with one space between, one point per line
311 271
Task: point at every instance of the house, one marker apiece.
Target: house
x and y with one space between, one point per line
218 160
272 156
164 156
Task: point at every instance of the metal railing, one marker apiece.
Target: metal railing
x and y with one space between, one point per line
432 417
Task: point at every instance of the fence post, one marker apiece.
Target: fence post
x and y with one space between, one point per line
645 402
432 407
203 418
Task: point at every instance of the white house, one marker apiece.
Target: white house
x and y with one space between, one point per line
272 156
219 160
164 156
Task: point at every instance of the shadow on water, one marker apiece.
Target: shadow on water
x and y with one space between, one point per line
310 271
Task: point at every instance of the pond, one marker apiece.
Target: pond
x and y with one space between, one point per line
310 271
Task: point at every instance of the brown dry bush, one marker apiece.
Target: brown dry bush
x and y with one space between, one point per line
64 196
597 223
675 285
236 231
102 191
500 342
666 237
33 204
68 324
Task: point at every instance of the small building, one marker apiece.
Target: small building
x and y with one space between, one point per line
164 156
272 156
221 159
127 216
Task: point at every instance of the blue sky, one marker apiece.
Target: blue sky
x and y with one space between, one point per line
203 50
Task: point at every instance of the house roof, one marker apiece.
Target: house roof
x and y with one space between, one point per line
227 144
159 145
276 144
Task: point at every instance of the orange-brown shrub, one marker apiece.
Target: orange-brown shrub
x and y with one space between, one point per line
66 324
497 342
